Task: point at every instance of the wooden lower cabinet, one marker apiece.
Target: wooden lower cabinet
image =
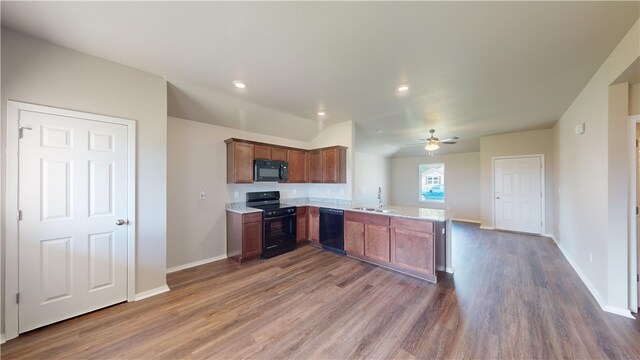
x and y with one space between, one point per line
376 242
413 250
244 236
353 237
314 224
301 225
414 247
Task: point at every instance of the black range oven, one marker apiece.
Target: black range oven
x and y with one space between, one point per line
279 223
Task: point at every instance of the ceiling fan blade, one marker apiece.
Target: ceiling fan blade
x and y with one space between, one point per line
455 138
414 144
448 142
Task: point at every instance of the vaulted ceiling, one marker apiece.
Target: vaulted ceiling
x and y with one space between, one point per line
474 68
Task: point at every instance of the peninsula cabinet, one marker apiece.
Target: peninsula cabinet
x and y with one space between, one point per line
244 236
411 246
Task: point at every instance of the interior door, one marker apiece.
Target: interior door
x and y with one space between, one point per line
72 189
518 194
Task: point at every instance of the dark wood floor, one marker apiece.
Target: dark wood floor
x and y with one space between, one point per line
513 296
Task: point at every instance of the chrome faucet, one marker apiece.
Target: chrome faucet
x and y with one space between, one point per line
380 204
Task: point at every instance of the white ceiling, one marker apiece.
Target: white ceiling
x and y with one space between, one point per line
474 69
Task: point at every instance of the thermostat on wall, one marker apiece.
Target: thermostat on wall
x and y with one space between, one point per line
579 129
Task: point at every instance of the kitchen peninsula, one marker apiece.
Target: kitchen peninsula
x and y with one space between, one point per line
413 241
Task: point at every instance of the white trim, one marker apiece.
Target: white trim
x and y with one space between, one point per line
633 219
152 292
543 186
468 221
449 269
196 263
2 339
596 294
487 227
11 255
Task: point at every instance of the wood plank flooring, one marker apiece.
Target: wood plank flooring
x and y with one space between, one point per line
512 296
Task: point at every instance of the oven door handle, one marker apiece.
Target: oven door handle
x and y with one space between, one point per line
281 217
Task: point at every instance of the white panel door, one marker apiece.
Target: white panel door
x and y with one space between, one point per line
518 194
72 189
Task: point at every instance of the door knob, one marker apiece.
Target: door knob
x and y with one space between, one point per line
497 197
121 222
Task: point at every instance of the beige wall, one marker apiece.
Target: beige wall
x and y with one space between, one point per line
462 183
599 252
513 144
38 72
338 134
634 99
371 171
196 229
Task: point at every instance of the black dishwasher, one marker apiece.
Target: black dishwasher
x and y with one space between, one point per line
332 230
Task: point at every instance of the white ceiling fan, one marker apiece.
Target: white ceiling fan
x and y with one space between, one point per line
433 143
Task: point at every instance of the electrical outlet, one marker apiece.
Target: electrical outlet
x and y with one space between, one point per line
236 194
294 191
203 195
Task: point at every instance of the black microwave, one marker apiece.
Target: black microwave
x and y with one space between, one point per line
268 170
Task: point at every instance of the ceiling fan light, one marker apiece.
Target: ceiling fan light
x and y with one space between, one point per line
431 146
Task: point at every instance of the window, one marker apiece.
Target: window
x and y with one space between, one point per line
431 182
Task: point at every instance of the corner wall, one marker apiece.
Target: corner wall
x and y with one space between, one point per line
588 162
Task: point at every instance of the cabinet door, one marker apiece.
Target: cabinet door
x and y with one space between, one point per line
262 152
251 239
301 229
330 165
296 160
314 224
278 154
354 237
412 250
243 162
376 242
315 166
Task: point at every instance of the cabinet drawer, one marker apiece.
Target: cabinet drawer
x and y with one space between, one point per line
412 225
380 220
252 217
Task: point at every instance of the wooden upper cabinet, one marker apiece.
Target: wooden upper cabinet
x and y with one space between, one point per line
334 165
262 152
297 165
240 162
326 165
315 166
278 154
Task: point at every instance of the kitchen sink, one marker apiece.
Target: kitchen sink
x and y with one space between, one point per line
384 211
364 209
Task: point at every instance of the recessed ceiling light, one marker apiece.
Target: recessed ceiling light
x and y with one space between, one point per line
403 88
239 84
321 113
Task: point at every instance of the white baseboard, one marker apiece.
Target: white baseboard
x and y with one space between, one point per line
596 294
487 227
550 236
195 263
152 292
2 339
449 269
468 221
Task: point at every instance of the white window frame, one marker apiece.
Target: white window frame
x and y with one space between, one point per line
422 198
